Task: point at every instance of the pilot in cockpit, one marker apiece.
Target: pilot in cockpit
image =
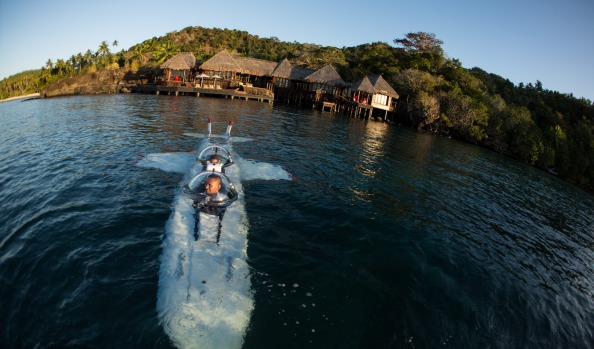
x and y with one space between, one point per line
214 159
213 163
213 185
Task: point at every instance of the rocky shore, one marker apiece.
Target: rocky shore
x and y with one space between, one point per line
101 82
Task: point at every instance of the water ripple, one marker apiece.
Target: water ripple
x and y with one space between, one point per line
400 239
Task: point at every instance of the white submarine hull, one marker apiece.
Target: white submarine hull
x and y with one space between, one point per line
205 299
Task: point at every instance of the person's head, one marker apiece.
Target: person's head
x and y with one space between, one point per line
214 159
213 184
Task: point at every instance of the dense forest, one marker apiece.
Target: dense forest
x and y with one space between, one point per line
544 128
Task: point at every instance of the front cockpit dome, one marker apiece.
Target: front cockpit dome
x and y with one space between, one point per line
215 154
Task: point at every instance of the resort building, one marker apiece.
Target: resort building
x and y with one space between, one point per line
243 77
180 67
375 91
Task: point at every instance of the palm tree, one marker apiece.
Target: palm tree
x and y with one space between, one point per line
87 58
46 72
104 53
149 45
120 54
80 62
60 66
72 65
165 51
50 65
138 54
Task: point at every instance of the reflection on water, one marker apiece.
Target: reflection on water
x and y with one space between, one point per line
367 158
373 149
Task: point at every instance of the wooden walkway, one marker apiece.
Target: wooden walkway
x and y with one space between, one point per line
343 106
197 91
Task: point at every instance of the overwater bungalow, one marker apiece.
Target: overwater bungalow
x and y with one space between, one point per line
249 74
289 83
180 68
327 86
326 80
374 92
257 72
220 66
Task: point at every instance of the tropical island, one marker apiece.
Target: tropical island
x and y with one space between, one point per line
540 127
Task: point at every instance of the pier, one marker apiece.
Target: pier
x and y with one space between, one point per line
198 91
350 108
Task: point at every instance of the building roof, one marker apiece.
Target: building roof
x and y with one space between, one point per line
224 61
255 66
284 69
326 75
363 85
181 61
375 84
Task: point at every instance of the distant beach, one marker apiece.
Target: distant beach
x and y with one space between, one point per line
32 95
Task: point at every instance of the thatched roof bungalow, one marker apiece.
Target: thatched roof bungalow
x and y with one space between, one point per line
231 67
375 90
380 85
363 85
222 64
256 71
327 79
180 65
286 75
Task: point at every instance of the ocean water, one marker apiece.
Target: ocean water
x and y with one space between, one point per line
387 238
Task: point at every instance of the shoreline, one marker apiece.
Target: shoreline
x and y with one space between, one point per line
32 95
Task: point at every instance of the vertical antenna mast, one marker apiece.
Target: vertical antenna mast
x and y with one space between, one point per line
228 132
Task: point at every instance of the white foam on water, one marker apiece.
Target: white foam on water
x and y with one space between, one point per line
170 162
251 169
205 298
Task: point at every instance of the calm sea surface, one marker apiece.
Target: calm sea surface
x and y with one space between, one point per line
387 239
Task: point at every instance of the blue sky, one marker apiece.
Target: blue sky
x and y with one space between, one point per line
521 40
